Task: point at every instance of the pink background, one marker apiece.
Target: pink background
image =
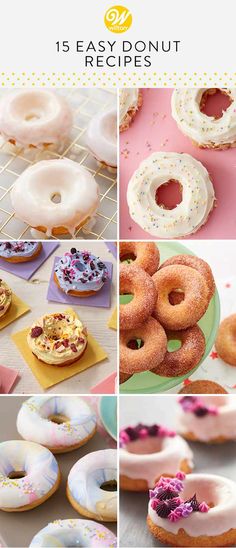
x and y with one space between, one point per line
154 130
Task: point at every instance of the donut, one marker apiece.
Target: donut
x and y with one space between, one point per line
123 377
59 423
101 138
199 265
207 419
203 387
225 340
196 510
152 350
135 281
198 195
19 252
74 532
5 298
143 254
148 452
91 486
80 273
29 475
181 361
58 339
130 100
195 303
55 196
35 118
205 131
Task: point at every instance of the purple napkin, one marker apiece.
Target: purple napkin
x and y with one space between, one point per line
26 270
112 248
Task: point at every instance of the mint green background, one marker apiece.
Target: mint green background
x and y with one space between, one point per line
108 414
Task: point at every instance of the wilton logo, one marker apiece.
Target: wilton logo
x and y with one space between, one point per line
118 19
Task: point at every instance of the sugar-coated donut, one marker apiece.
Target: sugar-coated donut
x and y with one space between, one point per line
135 359
74 532
205 131
203 387
19 252
195 303
35 118
59 423
91 486
185 358
148 452
101 137
225 340
144 254
5 298
130 100
201 512
29 475
80 273
55 196
198 264
136 281
58 339
198 195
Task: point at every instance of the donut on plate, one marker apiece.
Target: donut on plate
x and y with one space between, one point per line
135 281
74 532
80 273
143 254
59 423
5 298
148 452
19 252
195 262
225 340
58 339
29 475
130 100
203 387
101 138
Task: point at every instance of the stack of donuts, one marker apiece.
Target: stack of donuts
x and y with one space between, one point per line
168 301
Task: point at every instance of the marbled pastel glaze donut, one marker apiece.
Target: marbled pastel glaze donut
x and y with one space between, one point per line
135 281
80 273
101 137
60 423
19 252
205 131
29 475
143 254
5 298
58 339
130 100
91 486
74 532
55 196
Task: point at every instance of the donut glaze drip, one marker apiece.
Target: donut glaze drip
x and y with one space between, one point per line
80 271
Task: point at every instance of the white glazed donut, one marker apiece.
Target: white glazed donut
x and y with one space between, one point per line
5 298
197 195
101 137
60 423
41 475
206 131
35 118
74 532
33 193
84 485
130 99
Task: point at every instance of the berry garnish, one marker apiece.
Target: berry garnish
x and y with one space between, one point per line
73 250
36 332
73 347
194 503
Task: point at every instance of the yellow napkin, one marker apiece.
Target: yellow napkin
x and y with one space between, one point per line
17 309
48 375
112 323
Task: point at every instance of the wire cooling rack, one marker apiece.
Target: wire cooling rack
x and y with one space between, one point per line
13 161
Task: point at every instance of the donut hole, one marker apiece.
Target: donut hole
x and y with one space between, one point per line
31 107
126 298
55 330
173 345
207 490
110 485
135 344
176 296
127 257
56 198
214 102
169 195
58 418
16 474
146 446
80 266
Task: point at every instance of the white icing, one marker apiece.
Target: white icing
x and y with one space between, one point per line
203 129
101 137
211 489
210 426
32 193
128 100
74 532
197 195
33 423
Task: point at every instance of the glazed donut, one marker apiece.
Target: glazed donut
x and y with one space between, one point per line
225 340
191 309
144 254
152 351
74 532
136 281
59 423
75 190
101 138
5 298
203 387
29 475
91 486
181 361
130 100
202 514
205 131
58 339
35 118
198 195
19 252
148 452
199 265
80 273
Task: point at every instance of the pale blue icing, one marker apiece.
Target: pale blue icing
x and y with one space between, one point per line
74 532
80 271
18 249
